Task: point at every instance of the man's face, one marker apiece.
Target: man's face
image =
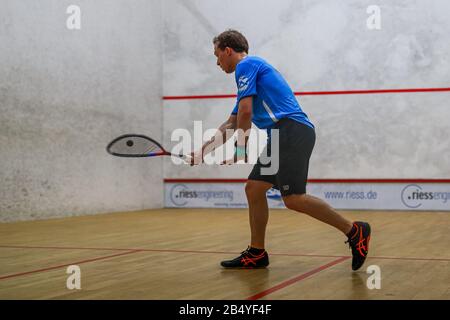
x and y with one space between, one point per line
224 59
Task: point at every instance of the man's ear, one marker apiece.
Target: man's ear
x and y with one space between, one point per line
228 51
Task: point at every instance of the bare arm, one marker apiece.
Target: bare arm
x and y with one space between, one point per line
244 120
217 140
243 126
221 136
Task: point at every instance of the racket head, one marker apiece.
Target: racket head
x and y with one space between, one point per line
135 146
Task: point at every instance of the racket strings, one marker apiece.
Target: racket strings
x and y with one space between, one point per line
150 149
134 146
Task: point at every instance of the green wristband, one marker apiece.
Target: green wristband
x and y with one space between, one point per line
240 151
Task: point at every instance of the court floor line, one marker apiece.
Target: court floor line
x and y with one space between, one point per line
222 252
63 248
296 279
254 297
66 265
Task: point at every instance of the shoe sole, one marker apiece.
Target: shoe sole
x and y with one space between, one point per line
244 267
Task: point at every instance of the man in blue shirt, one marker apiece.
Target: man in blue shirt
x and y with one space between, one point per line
265 98
272 100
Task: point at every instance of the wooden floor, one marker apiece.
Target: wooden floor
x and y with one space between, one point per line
175 254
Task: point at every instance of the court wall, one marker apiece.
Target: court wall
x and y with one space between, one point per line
65 93
324 47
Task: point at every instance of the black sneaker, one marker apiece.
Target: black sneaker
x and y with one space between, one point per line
248 260
359 243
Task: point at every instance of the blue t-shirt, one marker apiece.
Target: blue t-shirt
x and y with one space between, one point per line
273 99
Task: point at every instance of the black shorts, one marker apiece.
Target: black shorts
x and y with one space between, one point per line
296 142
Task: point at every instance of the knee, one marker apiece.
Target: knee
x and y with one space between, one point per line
256 189
295 202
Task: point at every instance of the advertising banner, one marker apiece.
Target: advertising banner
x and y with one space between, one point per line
363 196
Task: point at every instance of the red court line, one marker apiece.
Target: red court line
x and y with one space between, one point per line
221 252
376 91
409 258
114 249
296 279
369 257
315 93
68 248
66 265
215 96
219 180
164 250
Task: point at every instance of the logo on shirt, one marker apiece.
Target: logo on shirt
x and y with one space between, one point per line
242 83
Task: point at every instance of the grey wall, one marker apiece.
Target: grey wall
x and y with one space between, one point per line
64 94
324 45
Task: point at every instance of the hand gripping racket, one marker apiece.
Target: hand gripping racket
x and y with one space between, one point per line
137 146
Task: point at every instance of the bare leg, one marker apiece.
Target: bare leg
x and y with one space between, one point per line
319 209
258 211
